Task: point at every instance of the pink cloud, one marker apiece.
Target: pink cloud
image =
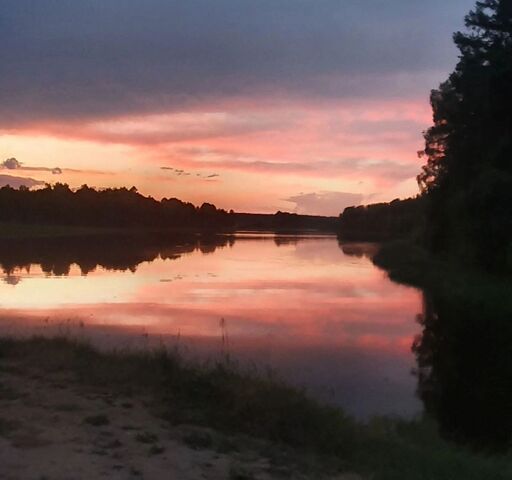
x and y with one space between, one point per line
367 146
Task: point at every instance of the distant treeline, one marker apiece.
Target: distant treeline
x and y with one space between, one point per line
285 222
383 221
111 207
127 208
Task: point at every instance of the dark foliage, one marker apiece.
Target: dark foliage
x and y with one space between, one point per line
382 221
285 222
116 208
468 174
112 208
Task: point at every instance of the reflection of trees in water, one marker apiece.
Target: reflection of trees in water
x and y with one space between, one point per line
358 250
112 252
117 252
464 360
286 240
12 279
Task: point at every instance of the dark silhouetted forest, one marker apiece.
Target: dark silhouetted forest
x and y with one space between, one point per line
465 211
60 205
285 222
468 174
382 221
111 207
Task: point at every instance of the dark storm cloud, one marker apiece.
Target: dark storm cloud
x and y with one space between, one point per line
79 59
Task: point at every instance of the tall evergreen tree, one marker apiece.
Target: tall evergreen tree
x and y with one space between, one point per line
468 174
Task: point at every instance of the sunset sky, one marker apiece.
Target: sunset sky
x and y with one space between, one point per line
297 105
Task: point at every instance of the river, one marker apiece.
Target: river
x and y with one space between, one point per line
317 313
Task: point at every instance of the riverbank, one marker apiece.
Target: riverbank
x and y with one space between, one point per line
83 392
17 231
280 224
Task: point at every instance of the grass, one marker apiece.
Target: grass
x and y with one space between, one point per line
229 400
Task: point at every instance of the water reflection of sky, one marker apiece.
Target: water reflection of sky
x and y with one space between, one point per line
322 318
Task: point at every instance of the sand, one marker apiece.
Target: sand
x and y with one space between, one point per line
52 428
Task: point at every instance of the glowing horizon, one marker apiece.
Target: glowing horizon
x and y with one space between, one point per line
293 121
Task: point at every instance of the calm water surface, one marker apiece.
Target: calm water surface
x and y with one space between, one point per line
318 313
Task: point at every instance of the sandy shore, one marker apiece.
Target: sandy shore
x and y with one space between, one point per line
53 428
